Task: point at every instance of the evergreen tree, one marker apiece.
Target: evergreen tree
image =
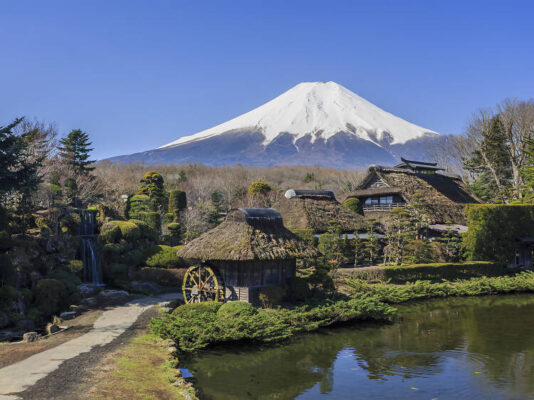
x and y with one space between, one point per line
74 149
152 186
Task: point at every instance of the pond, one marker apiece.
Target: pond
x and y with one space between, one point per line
472 348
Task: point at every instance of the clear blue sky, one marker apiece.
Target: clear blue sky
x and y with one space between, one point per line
138 74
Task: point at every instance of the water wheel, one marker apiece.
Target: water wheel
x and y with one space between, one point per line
202 283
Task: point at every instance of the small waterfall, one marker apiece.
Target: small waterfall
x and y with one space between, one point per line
91 270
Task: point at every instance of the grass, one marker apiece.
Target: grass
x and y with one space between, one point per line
143 369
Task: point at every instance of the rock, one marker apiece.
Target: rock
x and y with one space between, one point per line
145 287
52 328
113 296
25 325
8 335
166 310
66 315
88 290
30 337
4 320
90 302
172 350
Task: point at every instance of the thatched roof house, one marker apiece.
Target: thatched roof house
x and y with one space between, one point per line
385 188
249 250
317 210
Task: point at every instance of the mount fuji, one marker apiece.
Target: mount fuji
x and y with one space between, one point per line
313 123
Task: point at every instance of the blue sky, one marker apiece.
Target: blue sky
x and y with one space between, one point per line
138 74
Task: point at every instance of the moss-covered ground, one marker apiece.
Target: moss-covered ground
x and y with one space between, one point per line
142 369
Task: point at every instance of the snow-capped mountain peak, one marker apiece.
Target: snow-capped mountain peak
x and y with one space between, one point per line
317 109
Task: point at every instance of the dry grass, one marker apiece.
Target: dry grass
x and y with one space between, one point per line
140 370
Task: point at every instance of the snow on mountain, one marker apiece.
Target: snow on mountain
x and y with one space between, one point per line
320 110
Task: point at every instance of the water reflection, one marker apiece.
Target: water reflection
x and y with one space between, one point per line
452 348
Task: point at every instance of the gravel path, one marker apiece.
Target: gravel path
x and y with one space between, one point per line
49 374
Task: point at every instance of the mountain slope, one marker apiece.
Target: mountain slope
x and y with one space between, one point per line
313 123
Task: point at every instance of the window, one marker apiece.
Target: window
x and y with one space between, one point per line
386 200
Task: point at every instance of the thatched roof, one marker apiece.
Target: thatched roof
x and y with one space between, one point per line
317 213
376 191
447 195
248 234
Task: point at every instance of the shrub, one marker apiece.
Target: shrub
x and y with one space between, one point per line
75 266
353 204
110 233
129 230
152 219
169 217
177 201
174 227
146 231
271 296
8 294
258 188
494 230
236 309
50 296
162 276
164 257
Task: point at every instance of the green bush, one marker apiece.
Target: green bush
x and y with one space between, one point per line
110 233
522 282
353 204
5 241
236 309
51 296
258 188
138 203
146 231
494 230
177 201
169 217
152 219
129 230
164 257
195 326
75 266
271 296
174 227
7 270
118 269
8 294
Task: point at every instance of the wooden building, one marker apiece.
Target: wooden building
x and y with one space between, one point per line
386 188
317 210
249 250
524 253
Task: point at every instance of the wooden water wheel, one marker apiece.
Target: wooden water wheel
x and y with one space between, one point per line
202 283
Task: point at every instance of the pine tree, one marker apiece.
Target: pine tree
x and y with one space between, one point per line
74 149
152 186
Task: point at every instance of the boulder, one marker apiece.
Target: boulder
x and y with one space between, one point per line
25 325
90 302
4 320
88 290
30 337
113 296
66 315
145 287
52 328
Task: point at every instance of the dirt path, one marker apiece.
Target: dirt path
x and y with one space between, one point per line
59 372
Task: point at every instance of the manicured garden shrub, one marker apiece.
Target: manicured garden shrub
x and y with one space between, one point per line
152 219
177 202
236 309
110 233
432 271
354 204
51 296
146 231
494 230
164 257
162 276
75 267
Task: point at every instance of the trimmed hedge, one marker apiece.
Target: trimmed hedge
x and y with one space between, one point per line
494 230
164 257
430 272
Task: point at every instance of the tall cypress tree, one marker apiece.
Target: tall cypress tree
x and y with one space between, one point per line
74 149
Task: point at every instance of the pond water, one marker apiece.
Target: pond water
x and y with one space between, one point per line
461 348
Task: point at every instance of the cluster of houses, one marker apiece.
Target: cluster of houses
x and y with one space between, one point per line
254 248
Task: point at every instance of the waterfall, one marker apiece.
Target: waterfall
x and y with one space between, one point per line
91 270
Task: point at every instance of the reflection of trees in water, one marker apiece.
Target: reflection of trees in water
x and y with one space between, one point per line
467 329
279 372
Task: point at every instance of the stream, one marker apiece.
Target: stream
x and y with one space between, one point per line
456 348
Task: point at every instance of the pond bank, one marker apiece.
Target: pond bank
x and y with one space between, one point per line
471 347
